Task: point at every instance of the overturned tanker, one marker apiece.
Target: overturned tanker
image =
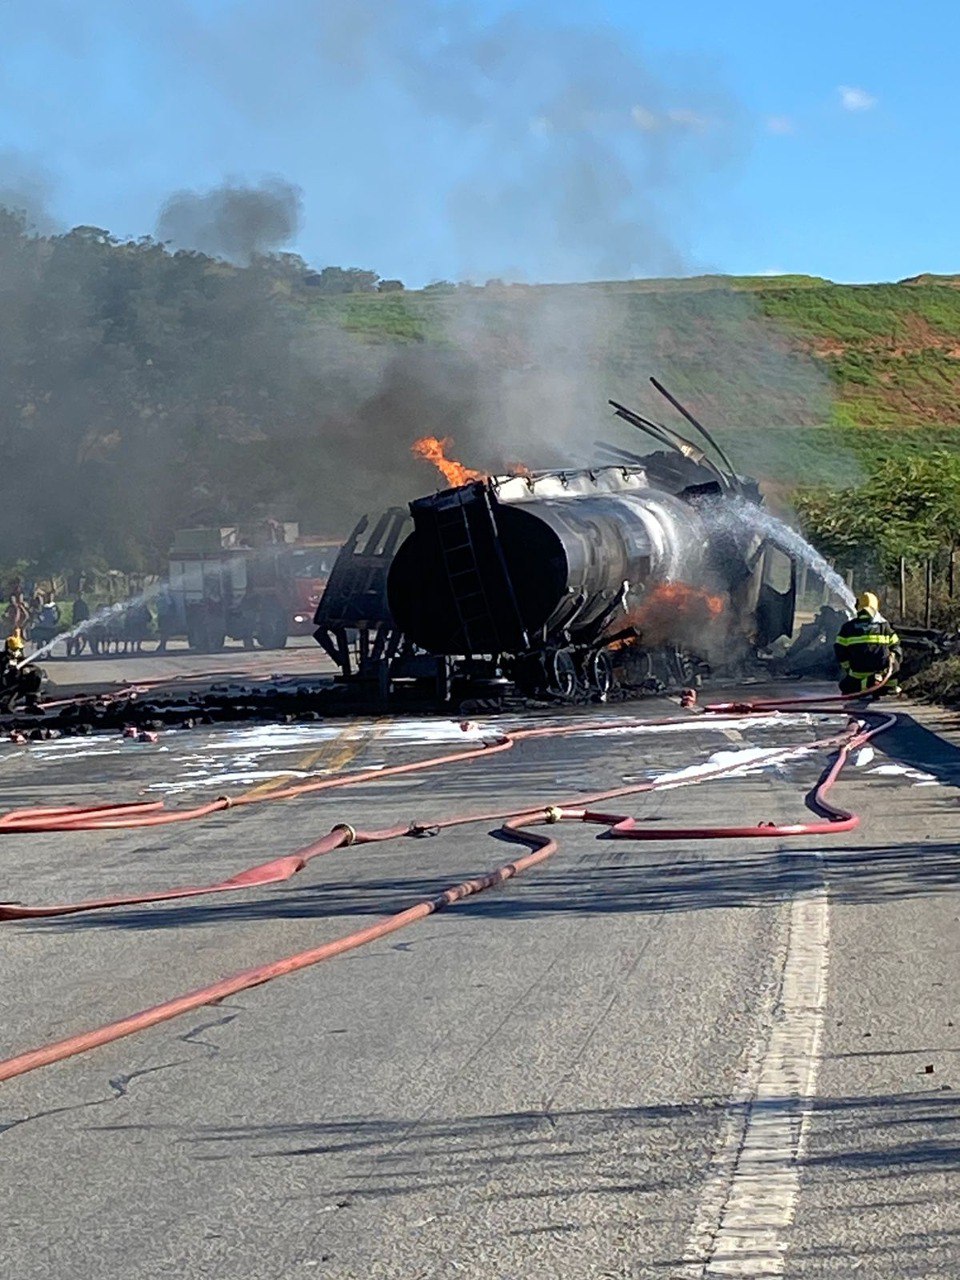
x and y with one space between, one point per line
549 581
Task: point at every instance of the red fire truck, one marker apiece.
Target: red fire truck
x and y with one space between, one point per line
258 584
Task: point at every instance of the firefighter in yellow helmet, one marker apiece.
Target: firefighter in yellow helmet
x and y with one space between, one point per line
18 679
867 647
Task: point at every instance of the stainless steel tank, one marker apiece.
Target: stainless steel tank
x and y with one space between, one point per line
514 563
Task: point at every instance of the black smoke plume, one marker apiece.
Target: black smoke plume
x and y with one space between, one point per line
232 221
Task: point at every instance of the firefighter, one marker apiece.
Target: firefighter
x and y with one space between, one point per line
12 650
867 647
17 678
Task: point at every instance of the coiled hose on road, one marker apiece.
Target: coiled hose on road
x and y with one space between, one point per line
516 826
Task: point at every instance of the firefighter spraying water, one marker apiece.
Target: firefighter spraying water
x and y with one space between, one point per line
867 647
20 680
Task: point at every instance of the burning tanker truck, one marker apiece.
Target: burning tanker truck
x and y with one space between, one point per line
554 582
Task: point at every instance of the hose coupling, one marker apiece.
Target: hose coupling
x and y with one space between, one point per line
349 831
554 813
420 830
225 801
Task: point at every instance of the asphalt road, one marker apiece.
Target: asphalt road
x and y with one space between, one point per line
302 656
635 1060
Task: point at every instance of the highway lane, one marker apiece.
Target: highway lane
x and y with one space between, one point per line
301 657
553 1079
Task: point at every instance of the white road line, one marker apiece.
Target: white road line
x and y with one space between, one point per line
750 1196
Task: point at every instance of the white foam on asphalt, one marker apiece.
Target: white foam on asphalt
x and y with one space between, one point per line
750 1195
192 782
239 755
289 737
916 776
731 764
65 750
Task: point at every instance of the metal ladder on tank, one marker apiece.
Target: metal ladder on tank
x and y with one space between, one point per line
459 552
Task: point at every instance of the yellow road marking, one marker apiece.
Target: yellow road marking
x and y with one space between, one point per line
335 754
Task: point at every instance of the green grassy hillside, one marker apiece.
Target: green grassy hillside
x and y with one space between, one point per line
801 376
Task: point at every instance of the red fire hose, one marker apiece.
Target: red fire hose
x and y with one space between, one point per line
152 813
280 869
621 826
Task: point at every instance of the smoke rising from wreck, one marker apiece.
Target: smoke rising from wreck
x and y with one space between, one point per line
149 392
576 147
233 221
523 374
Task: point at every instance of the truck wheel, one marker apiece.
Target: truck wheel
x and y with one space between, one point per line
271 632
563 673
600 671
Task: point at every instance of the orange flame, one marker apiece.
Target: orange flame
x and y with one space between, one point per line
455 473
674 612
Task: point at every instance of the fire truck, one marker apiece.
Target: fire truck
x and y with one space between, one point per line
258 584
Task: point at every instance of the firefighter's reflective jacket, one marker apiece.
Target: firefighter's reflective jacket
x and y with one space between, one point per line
866 645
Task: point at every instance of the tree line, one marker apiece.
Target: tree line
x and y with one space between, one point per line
898 529
143 390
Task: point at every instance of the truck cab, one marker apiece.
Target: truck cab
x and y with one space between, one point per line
249 583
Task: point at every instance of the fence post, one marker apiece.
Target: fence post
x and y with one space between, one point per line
928 591
903 589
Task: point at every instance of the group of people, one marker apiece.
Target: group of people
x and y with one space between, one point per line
109 629
122 628
36 616
112 629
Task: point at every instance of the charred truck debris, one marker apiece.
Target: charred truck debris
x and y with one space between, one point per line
559 583
636 574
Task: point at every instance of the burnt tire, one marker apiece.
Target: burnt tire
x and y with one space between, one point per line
600 672
563 674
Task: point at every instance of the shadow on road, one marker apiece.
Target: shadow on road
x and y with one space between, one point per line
913 744
891 1136
887 1145
861 874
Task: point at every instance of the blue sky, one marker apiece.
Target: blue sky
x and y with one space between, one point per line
537 141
